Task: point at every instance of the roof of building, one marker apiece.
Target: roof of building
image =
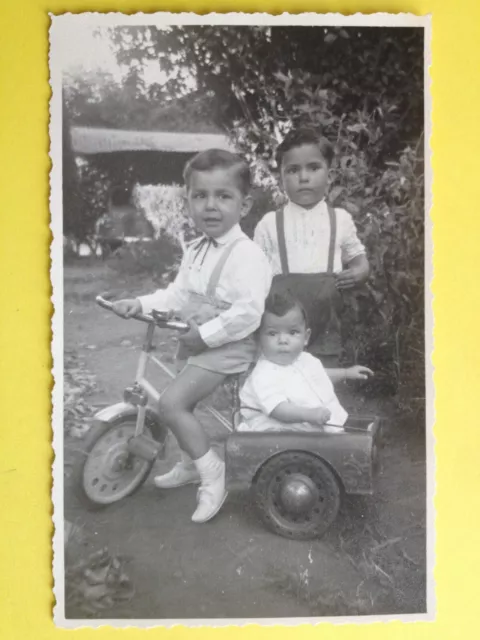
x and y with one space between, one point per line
91 140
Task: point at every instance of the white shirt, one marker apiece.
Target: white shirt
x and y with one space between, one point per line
307 238
304 383
244 283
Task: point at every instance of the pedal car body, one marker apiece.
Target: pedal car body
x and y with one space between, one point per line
350 452
298 478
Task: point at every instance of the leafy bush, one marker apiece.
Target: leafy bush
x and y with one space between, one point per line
164 207
385 323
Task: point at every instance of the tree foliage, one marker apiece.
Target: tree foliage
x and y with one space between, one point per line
99 99
249 73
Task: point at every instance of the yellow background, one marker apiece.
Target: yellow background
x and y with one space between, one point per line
25 454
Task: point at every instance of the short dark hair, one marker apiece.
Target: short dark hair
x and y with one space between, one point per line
301 136
219 159
280 303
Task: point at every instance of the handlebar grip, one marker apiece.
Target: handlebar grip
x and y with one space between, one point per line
163 319
102 302
157 317
106 304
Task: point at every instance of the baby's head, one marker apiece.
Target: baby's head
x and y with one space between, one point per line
304 159
284 331
218 190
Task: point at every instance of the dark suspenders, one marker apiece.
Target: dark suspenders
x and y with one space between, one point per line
282 246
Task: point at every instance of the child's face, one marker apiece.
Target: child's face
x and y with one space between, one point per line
304 173
216 201
283 338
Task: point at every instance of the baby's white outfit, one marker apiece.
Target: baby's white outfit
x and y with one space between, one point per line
304 382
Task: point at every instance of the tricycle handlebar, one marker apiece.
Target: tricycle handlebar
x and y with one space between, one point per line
159 318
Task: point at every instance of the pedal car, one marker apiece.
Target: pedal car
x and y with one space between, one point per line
297 479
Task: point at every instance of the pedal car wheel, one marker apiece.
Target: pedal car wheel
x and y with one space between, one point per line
105 471
297 495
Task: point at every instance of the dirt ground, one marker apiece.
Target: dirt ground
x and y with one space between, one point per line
372 560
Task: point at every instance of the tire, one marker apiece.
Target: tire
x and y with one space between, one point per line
97 483
297 495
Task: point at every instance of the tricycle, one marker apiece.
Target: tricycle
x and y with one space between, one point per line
297 478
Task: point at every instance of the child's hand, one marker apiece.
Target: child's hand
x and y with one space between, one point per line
193 340
358 372
349 278
321 415
127 308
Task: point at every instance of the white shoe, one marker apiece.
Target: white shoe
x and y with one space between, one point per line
210 498
180 475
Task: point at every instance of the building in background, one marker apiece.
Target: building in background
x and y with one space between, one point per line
135 157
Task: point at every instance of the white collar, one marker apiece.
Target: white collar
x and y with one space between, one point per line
229 236
319 208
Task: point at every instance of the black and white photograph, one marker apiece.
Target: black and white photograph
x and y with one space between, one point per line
242 329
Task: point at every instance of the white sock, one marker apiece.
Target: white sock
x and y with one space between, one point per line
210 466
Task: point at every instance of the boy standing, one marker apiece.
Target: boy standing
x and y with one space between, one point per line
313 249
220 291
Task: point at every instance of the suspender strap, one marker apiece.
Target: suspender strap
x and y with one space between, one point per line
333 238
282 247
218 268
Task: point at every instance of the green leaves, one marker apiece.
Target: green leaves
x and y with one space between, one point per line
78 383
335 193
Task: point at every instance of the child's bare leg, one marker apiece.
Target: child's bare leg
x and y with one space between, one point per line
176 407
185 471
178 401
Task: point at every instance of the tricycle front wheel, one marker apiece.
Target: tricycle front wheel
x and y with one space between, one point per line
297 495
105 471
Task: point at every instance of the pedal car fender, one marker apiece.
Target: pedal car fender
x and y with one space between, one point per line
124 410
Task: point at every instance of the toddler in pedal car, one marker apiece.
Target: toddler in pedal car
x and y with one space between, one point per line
289 389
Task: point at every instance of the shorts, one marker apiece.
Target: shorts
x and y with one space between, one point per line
229 359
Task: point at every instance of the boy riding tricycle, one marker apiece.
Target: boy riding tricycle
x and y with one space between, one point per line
297 477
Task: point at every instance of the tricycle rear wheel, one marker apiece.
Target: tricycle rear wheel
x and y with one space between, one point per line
105 471
297 495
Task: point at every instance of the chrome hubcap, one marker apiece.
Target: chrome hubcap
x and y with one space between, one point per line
298 494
